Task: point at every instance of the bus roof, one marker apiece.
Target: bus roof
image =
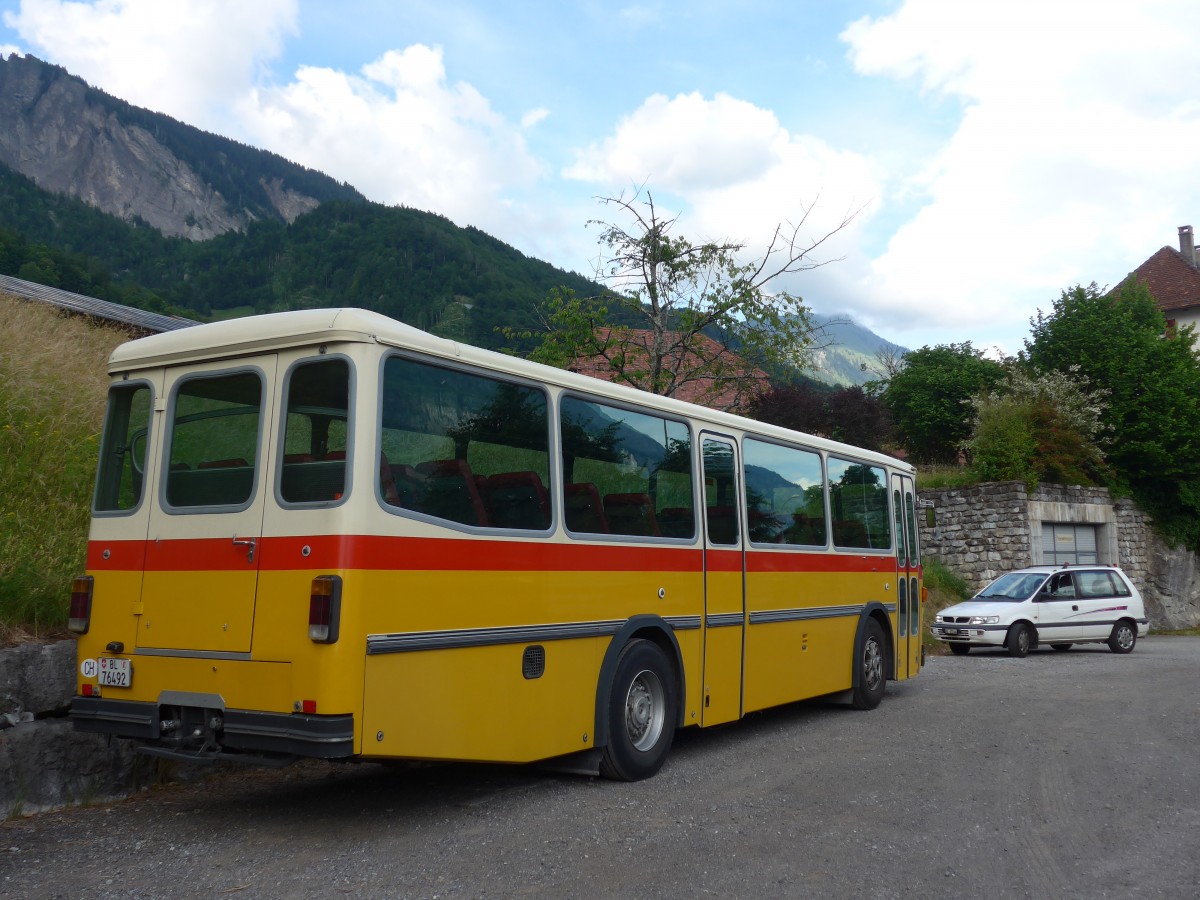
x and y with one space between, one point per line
277 331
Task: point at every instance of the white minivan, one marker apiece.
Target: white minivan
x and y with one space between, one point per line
1055 605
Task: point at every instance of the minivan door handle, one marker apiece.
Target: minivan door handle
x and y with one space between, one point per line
245 542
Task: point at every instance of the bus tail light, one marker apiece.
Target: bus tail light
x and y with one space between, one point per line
81 604
325 608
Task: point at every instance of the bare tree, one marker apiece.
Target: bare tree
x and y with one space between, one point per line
680 313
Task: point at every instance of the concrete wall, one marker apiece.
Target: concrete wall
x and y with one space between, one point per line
985 529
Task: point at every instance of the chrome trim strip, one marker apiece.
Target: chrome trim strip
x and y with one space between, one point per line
724 620
409 642
772 616
195 654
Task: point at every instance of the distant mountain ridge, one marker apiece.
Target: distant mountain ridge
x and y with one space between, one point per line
73 139
91 175
852 356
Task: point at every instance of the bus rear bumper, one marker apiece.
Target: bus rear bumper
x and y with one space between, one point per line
199 734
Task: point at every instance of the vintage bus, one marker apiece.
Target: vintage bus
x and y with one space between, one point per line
327 534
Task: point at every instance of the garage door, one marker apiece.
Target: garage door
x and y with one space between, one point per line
1068 544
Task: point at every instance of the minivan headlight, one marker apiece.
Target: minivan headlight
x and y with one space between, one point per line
984 620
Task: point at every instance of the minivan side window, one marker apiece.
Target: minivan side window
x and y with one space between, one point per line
1100 584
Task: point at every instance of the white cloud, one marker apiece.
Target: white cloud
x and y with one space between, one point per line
400 133
181 57
738 173
1073 161
534 117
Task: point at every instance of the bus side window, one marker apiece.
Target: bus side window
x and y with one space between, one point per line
627 471
785 494
465 447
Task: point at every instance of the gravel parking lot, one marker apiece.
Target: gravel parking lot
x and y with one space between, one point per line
1064 774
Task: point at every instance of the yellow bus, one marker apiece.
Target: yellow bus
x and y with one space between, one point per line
327 534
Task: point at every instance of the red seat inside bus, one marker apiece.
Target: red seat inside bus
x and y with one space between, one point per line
631 514
518 500
452 492
583 510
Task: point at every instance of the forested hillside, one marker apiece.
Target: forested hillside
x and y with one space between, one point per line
414 266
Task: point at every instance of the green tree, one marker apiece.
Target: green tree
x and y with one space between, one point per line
1039 427
1119 342
929 398
679 312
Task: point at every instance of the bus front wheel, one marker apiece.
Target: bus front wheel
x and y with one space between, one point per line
641 713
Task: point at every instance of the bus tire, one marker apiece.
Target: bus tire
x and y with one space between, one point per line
870 670
641 713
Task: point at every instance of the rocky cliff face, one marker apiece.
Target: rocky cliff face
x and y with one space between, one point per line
57 131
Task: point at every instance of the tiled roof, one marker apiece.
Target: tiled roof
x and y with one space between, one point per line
706 391
1172 281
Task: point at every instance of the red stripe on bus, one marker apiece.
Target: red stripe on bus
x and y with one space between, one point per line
818 562
723 560
378 552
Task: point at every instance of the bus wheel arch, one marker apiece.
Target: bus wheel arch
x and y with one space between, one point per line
873 652
638 699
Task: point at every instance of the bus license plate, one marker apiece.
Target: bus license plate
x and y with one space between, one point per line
115 672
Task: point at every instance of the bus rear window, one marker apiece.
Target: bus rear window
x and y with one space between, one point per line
213 443
465 447
123 452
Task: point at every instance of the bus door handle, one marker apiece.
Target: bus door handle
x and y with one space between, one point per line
245 542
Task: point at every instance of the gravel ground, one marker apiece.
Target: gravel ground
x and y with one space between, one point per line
1064 774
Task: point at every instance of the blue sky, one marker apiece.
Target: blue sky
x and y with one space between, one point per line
993 154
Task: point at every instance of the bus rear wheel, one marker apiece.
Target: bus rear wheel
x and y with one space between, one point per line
872 678
641 713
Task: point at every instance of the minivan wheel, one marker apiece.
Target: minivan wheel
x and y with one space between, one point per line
1018 640
960 649
1123 637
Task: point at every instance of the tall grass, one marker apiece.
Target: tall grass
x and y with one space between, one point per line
52 391
946 587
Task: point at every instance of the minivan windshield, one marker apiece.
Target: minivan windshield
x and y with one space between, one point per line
1013 587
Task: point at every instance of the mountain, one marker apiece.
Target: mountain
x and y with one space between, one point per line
852 354
72 139
103 198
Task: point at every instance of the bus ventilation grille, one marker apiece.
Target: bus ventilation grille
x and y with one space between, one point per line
533 662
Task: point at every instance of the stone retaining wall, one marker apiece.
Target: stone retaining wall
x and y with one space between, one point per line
44 763
982 530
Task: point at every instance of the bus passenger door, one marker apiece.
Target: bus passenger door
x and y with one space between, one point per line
724 586
908 579
205 524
